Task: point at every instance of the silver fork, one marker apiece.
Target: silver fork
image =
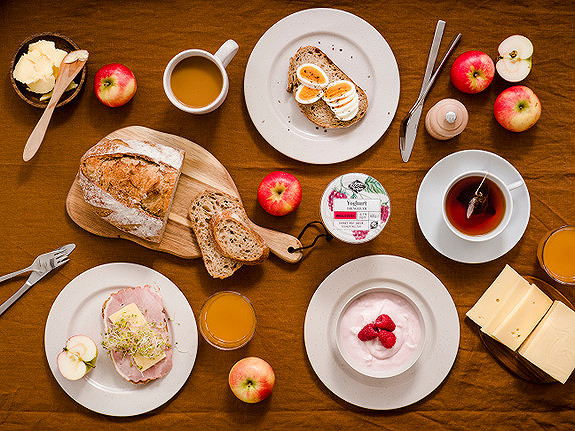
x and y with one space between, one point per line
46 261
421 98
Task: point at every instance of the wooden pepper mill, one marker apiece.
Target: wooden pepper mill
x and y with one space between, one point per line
446 119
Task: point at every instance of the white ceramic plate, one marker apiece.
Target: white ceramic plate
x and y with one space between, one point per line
441 325
357 48
78 310
430 199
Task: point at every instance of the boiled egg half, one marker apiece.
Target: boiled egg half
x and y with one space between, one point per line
341 96
312 76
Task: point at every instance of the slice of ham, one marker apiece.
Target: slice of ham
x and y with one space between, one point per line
150 304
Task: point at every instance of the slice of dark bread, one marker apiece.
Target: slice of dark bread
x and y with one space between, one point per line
202 209
319 112
236 240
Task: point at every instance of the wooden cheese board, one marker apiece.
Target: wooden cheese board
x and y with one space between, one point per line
201 171
513 361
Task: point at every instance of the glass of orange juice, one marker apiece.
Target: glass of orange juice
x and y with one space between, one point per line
556 254
227 320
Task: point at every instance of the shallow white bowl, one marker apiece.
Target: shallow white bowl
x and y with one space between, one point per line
392 371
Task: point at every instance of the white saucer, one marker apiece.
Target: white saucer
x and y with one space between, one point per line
78 310
430 199
437 309
357 48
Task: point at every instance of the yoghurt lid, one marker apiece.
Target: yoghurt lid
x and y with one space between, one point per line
355 208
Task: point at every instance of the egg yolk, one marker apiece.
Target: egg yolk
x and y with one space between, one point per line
307 93
312 74
337 90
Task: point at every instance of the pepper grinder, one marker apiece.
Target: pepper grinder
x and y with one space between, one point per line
446 119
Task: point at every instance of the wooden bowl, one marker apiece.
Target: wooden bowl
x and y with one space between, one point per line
61 42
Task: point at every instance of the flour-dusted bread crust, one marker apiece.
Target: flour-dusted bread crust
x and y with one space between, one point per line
205 206
131 184
236 240
319 112
149 302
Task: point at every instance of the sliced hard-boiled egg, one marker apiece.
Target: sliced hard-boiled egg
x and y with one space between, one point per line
334 103
338 90
307 95
312 76
348 110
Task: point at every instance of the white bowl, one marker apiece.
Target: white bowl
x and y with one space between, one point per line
403 311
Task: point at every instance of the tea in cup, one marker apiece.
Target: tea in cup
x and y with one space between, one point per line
196 81
477 206
556 254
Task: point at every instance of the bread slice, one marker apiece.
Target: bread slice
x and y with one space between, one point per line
236 240
319 112
205 206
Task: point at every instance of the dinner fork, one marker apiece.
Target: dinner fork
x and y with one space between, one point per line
421 98
44 262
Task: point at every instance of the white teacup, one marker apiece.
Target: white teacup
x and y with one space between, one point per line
505 189
221 59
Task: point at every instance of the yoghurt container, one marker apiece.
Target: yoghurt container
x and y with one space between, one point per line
355 208
370 357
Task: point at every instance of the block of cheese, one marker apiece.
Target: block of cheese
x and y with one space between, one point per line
551 346
518 324
133 316
499 299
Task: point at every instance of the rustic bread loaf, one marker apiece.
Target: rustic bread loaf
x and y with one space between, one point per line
319 112
205 206
131 184
236 240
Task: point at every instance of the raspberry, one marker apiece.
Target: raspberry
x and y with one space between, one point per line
368 332
334 194
383 321
387 338
384 213
359 234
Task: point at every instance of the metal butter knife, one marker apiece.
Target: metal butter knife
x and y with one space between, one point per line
53 260
414 120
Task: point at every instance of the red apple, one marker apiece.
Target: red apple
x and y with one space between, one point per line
517 108
279 193
472 72
114 84
251 379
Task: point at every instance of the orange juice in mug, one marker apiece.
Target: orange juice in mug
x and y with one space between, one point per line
227 320
556 254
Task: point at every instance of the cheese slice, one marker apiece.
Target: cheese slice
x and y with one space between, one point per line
519 323
132 314
551 346
499 299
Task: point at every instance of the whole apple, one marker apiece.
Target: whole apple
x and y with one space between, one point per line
517 108
115 84
279 193
472 72
251 379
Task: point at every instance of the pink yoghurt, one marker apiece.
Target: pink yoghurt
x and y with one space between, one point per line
372 355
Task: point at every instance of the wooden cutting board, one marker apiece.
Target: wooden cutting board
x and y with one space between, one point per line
201 171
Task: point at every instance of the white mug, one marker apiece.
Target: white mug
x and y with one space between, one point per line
221 59
505 189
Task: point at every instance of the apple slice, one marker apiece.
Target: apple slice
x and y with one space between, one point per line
78 357
514 60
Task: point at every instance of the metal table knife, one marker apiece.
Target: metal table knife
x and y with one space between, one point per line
36 276
414 120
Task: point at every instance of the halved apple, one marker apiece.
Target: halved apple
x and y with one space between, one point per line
78 357
514 60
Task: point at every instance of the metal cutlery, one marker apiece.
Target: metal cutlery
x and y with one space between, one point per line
404 146
41 266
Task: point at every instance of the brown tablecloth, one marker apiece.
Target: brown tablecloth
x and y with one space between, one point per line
478 393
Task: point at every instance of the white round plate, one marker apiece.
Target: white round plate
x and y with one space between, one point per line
441 326
430 199
351 43
78 310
